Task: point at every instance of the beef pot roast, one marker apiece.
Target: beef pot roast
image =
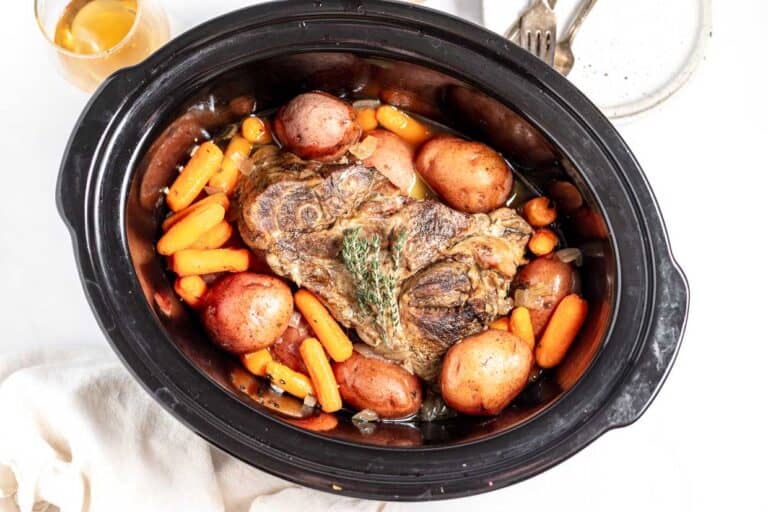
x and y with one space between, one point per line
455 268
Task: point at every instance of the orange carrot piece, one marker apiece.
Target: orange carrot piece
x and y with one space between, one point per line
543 242
561 330
539 212
173 219
256 131
501 324
366 118
191 289
215 237
520 325
321 375
189 229
402 125
290 381
322 422
325 327
225 179
195 262
188 185
256 362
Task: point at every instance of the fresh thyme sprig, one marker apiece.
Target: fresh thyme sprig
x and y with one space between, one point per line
374 289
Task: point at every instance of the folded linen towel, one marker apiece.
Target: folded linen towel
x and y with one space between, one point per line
78 433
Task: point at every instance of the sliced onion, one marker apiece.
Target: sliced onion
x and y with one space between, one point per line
276 389
434 408
310 401
230 131
532 297
295 319
361 104
364 149
246 166
570 255
366 351
303 328
366 415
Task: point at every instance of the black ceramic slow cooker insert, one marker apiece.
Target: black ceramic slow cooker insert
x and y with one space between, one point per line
109 195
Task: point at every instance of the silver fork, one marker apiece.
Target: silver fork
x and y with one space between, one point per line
537 30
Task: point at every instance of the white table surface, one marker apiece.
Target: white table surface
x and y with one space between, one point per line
701 446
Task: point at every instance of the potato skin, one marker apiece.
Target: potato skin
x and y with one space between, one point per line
468 176
545 281
286 350
245 312
483 373
393 158
317 126
383 387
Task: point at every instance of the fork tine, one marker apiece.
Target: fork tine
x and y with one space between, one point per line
539 45
550 48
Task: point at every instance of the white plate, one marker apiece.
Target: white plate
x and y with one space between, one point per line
630 55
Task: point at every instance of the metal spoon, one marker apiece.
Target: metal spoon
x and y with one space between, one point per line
564 58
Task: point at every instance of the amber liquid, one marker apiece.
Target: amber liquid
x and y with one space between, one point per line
101 36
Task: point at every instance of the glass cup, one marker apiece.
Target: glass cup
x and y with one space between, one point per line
98 51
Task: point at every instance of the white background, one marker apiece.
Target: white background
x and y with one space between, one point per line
701 446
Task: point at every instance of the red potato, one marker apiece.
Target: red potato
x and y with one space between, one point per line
468 176
317 126
540 286
286 350
483 373
246 312
393 158
378 385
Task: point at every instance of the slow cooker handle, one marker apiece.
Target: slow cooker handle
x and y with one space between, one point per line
81 154
657 355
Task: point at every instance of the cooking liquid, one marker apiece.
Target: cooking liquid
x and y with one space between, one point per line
101 36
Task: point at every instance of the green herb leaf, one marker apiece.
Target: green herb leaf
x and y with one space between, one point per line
374 289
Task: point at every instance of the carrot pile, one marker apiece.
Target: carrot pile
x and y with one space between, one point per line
197 238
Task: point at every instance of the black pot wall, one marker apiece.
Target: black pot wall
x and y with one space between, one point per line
108 195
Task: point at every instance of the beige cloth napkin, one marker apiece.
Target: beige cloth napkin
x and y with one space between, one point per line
78 433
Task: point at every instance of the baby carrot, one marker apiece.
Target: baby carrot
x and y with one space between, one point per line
256 362
321 374
189 229
203 164
212 199
561 330
322 422
192 289
256 131
290 381
366 118
402 125
214 237
542 242
539 212
329 332
225 179
501 324
195 262
520 325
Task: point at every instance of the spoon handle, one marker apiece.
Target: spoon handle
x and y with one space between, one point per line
581 15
